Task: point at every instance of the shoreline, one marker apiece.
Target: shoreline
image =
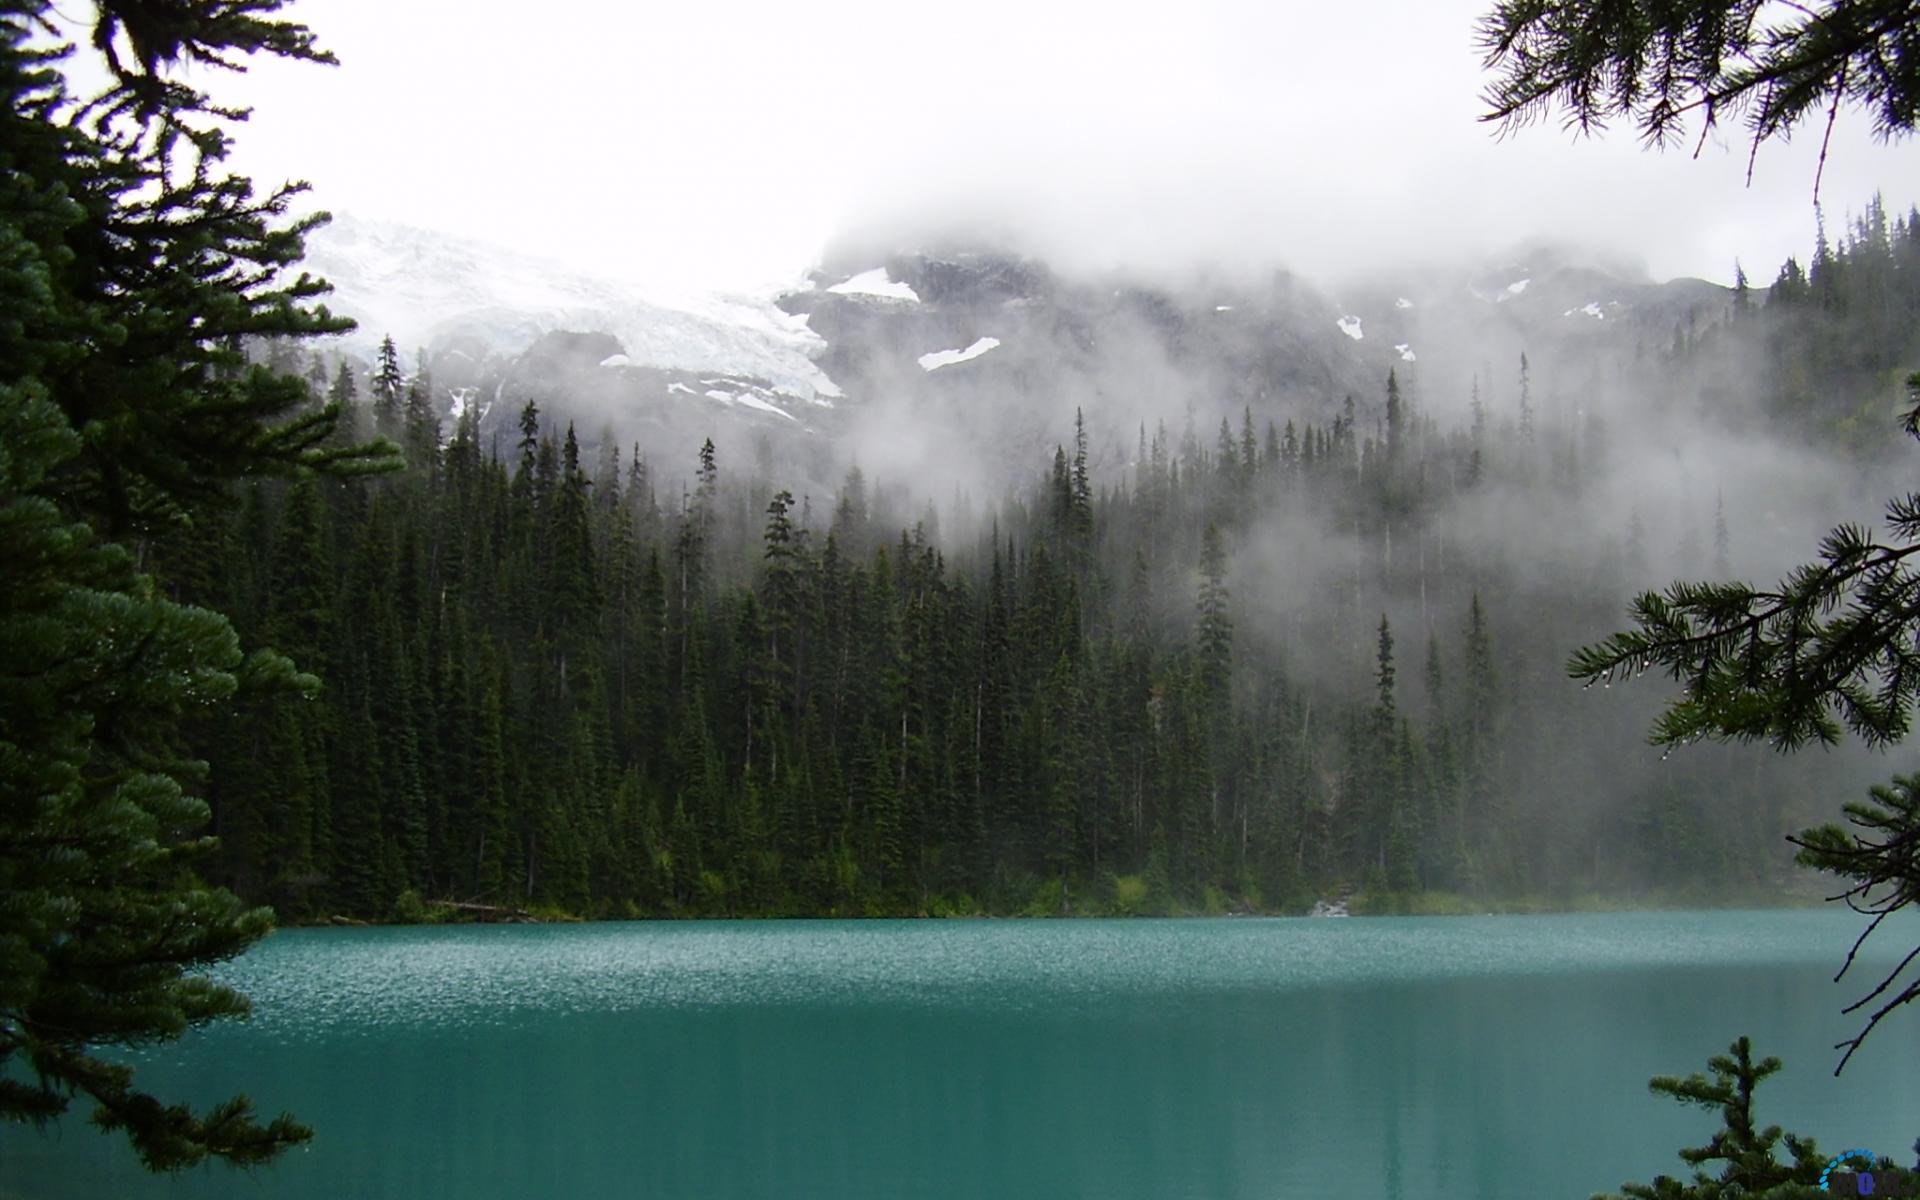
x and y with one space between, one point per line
1359 905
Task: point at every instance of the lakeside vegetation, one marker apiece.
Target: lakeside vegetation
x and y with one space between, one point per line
1129 896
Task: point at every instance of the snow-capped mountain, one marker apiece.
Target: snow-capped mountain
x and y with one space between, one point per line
1547 301
981 357
446 294
968 362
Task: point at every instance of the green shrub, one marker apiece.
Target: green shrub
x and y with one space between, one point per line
1130 894
713 891
409 909
1046 899
958 905
1250 898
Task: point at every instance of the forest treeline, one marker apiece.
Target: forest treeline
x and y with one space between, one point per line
555 676
1837 337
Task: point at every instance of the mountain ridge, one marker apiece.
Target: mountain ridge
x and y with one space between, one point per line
976 353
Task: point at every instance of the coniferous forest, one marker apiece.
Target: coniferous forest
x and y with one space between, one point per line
561 677
963 576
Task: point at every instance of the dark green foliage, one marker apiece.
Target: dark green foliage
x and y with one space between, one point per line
1215 632
1879 859
1747 1150
388 386
170 267
1657 64
102 920
133 274
543 690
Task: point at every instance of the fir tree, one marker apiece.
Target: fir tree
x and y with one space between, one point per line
388 386
124 303
1747 1149
1215 635
421 434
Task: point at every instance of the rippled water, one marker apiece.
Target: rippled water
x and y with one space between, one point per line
1477 1057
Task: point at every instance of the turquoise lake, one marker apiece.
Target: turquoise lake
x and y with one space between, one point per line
1482 1058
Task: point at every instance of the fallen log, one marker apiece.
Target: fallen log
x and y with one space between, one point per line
490 912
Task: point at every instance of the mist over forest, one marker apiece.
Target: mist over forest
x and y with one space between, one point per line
952 581
682 468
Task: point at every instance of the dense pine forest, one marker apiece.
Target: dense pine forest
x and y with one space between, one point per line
1283 659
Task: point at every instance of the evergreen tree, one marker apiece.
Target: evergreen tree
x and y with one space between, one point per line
132 266
1216 622
421 435
388 386
1747 1149
1396 416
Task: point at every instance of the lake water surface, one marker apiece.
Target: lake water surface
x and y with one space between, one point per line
1480 1058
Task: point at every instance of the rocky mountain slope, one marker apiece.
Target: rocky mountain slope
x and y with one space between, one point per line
927 358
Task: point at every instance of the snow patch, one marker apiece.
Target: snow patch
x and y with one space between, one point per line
616 360
1591 308
462 397
680 387
1223 308
946 358
875 283
1406 351
764 406
1351 327
1403 302
751 401
1513 289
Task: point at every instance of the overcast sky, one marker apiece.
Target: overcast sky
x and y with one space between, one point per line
720 143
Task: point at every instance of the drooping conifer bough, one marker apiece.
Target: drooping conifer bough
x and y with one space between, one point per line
1664 65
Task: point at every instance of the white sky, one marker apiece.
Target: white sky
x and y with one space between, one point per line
720 143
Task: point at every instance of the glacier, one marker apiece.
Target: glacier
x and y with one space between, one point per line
420 287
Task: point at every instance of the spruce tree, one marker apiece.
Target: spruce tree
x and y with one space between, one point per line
1747 1149
388 386
100 938
1396 417
421 431
1215 635
132 265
